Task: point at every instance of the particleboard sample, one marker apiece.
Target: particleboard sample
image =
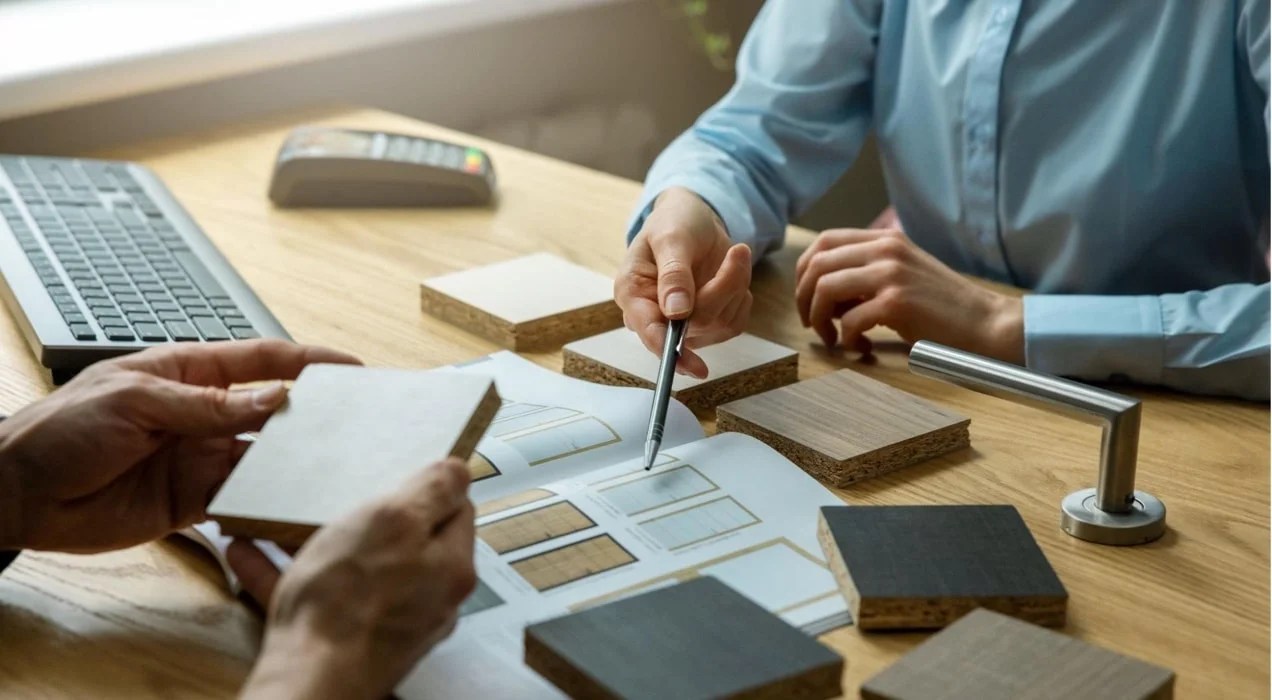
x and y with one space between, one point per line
698 639
843 426
922 567
348 435
738 367
990 656
536 302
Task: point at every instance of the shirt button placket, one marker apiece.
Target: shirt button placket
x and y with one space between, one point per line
980 114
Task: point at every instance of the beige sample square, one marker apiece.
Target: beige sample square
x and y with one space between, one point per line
990 656
843 426
739 367
536 302
346 436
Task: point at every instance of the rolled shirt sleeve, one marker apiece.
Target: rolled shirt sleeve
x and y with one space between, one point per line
1214 342
793 122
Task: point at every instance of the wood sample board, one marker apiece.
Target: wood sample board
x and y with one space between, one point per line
843 427
738 367
923 567
536 302
697 639
990 656
348 435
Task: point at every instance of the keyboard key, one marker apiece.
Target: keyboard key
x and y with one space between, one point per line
140 317
211 328
133 307
219 304
111 319
165 306
150 331
130 218
196 310
233 323
245 334
171 316
180 330
82 331
128 298
118 333
75 318
199 274
153 297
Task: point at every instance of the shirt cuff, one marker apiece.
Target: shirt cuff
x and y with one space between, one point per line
1095 337
736 223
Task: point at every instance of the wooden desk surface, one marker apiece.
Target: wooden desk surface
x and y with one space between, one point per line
154 621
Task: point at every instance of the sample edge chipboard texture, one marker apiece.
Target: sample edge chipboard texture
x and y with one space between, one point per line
843 426
696 639
531 303
345 436
738 367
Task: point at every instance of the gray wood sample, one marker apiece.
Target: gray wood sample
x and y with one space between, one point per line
536 302
698 639
843 426
990 656
923 567
345 436
738 367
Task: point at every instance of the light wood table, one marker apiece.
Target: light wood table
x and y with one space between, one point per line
154 621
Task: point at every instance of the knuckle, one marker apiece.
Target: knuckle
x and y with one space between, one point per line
393 519
891 302
893 247
892 270
672 267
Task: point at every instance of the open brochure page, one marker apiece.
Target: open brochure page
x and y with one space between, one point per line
555 427
727 506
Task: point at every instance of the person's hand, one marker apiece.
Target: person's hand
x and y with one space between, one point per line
867 278
367 596
681 264
134 447
888 219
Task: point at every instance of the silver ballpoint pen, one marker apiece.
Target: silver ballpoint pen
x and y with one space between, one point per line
662 390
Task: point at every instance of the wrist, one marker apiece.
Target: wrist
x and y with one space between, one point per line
297 661
1005 338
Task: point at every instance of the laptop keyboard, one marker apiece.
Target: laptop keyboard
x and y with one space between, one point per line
100 238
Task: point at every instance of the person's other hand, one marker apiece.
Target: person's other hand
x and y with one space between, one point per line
134 447
368 595
681 264
867 278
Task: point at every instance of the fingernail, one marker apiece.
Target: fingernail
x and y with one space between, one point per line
269 396
677 303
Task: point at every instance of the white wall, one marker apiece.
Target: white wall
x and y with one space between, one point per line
606 87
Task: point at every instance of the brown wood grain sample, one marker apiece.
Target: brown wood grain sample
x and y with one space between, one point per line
843 427
990 656
923 567
738 367
347 435
697 639
536 302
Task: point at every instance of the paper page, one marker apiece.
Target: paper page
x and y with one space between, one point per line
727 506
555 427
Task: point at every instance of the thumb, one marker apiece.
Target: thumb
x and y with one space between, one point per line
256 573
204 411
676 288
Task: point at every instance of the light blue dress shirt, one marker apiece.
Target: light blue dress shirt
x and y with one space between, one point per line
1110 155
